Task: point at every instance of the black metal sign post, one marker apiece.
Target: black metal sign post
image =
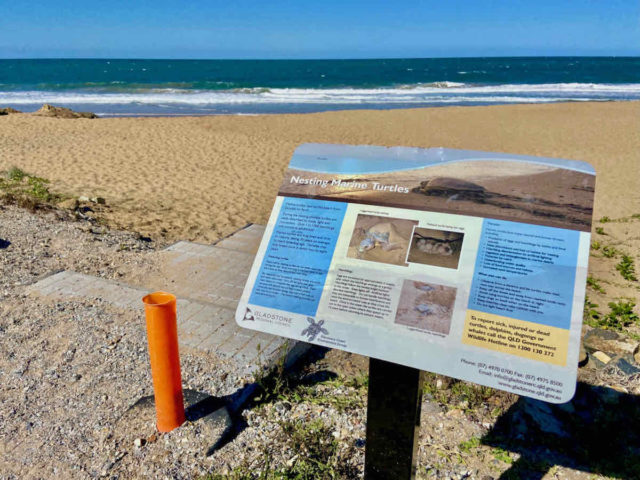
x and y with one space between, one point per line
393 421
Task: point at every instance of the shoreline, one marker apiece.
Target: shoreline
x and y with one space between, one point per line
374 108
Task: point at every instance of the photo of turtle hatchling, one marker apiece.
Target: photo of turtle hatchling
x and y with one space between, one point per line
426 306
381 239
439 248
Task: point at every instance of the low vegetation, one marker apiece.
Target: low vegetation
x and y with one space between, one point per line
627 269
591 316
594 284
340 393
317 456
452 393
26 190
620 316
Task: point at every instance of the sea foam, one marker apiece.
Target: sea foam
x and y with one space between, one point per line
242 99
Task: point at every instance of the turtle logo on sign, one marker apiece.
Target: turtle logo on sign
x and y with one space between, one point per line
248 316
314 329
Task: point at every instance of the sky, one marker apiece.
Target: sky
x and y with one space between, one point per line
317 29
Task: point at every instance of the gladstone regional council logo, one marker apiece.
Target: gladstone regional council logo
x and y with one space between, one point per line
314 329
248 316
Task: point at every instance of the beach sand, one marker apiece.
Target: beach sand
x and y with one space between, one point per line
200 178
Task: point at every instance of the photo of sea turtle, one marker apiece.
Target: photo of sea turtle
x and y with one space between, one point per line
381 239
426 306
449 187
528 192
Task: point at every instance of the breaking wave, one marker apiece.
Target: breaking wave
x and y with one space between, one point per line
428 94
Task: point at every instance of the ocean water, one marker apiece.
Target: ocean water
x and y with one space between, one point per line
205 87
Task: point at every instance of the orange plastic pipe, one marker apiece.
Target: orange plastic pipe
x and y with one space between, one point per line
162 333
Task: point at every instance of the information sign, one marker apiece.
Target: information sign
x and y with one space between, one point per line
467 264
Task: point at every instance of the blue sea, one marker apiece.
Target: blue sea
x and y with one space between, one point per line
209 87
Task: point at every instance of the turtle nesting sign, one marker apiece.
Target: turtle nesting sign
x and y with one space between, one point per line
469 264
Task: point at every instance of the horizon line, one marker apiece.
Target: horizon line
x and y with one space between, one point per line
280 59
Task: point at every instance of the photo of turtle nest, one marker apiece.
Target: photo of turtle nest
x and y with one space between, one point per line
439 248
381 239
426 306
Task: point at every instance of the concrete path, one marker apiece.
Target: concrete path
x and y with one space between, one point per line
208 281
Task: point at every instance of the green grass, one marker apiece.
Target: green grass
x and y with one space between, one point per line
467 446
24 189
281 387
15 174
313 442
609 252
591 316
593 283
605 219
595 245
627 269
455 393
502 455
316 456
620 316
600 231
342 402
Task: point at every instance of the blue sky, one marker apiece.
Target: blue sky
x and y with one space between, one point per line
317 29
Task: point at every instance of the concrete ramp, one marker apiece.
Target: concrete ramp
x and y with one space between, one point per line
208 281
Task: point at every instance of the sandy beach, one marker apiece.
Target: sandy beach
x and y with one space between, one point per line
80 364
200 178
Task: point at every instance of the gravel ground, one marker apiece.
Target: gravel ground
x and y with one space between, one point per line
72 372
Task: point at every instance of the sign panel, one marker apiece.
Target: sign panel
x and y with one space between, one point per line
468 264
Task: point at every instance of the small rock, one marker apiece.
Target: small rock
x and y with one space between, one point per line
609 342
282 407
603 357
139 442
543 416
60 112
70 204
455 413
438 384
619 388
8 110
83 198
626 366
